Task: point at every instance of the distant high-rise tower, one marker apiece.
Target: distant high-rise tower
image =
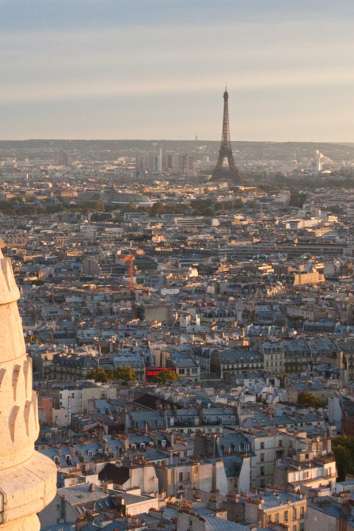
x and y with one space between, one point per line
229 171
27 478
63 159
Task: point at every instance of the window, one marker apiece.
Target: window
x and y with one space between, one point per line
262 445
262 458
302 512
180 475
286 516
262 470
295 513
276 518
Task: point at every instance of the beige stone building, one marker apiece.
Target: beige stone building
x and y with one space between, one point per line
27 478
281 509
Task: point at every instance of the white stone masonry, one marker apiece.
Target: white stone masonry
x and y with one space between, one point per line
27 478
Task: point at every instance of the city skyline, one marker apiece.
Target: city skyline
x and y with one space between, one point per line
112 70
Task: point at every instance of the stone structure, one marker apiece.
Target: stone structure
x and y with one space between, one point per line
27 478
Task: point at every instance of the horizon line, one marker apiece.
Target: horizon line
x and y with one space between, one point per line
195 140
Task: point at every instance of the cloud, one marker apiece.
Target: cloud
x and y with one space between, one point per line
59 65
141 85
185 52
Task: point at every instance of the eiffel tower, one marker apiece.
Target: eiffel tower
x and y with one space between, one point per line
227 172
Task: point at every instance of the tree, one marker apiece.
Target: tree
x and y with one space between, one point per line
309 400
99 375
127 374
343 449
99 205
297 198
203 207
166 376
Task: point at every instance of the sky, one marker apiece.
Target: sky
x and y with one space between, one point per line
156 69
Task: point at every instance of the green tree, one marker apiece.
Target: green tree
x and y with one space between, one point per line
343 449
203 207
99 375
309 400
297 198
166 376
127 374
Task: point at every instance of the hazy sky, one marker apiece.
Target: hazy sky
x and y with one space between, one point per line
157 68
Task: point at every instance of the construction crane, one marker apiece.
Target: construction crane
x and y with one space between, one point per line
129 260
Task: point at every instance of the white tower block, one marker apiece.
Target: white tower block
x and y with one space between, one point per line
27 478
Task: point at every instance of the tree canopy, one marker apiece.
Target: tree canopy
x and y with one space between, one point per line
126 374
343 449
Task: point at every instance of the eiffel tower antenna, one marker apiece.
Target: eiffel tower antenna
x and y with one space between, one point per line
229 172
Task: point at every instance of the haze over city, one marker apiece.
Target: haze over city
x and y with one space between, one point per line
155 69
